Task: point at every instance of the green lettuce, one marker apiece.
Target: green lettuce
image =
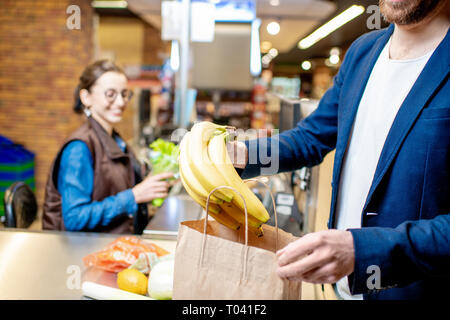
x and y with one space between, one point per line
163 158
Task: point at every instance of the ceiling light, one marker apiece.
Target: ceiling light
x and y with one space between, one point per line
255 50
273 28
334 59
109 4
275 3
273 52
306 65
330 26
266 59
335 51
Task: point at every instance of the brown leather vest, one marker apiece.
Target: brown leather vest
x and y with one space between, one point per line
114 171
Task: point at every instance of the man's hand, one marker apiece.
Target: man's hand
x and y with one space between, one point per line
319 257
237 150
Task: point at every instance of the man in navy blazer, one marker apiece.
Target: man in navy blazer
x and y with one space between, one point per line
401 247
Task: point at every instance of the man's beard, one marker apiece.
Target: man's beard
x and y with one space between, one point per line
407 12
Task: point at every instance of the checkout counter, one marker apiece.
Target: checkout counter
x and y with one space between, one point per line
48 265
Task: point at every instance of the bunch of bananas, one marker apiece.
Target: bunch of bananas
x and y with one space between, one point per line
205 165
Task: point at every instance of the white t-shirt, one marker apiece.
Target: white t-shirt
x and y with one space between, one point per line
387 87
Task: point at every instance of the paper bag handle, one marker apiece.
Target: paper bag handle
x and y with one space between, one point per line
274 209
206 223
246 220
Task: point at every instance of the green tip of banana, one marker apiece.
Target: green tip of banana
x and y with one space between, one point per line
220 130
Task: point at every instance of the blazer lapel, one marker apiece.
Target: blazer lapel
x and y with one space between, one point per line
347 116
431 77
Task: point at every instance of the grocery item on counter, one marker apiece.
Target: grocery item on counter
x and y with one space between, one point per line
122 253
160 276
147 260
133 281
144 262
160 282
204 165
100 292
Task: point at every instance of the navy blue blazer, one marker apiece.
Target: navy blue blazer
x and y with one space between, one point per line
409 237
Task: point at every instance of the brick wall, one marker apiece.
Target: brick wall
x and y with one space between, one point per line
40 62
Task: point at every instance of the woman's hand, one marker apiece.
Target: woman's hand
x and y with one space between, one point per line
152 187
237 150
319 257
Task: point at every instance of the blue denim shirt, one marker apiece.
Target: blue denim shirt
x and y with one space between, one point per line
76 183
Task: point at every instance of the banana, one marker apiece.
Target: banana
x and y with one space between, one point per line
204 165
189 177
200 163
214 210
232 210
226 220
218 154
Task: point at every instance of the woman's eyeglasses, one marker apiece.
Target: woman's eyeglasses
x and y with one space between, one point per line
111 95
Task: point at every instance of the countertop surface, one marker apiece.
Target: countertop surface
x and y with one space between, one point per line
48 265
174 210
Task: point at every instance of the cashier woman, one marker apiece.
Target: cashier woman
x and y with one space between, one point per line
95 182
387 115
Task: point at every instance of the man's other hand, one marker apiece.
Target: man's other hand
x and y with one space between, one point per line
319 257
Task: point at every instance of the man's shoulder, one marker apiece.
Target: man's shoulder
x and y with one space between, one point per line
366 41
373 36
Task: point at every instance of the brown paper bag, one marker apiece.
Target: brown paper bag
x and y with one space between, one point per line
228 269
